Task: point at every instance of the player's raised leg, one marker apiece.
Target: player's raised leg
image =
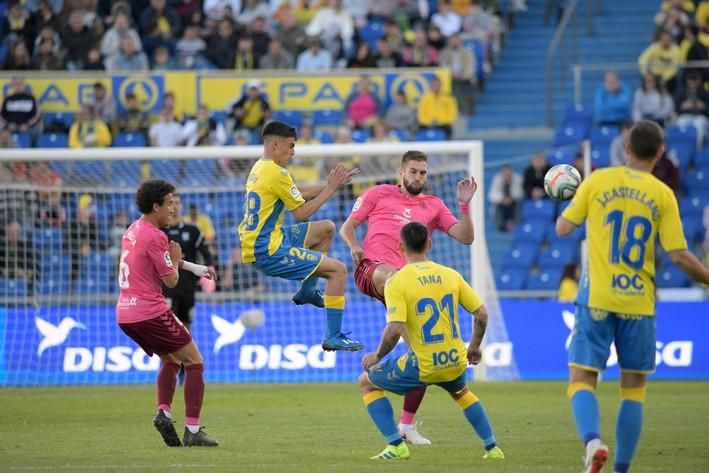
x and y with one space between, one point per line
382 414
318 238
335 272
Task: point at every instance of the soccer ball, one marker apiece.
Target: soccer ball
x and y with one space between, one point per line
561 182
252 318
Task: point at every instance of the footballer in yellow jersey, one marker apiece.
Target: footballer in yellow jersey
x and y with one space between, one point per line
296 252
627 209
422 301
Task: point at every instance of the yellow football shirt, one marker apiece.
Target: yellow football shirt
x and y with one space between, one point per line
425 296
626 210
269 189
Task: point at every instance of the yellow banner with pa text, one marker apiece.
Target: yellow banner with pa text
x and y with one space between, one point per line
66 92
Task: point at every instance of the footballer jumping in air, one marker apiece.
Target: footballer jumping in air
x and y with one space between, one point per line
296 252
627 209
422 301
386 209
147 262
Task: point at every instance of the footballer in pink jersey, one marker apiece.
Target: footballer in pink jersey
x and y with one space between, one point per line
147 262
386 209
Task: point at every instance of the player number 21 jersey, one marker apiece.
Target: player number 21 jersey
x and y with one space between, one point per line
425 296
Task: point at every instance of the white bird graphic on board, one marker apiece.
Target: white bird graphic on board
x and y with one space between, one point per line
55 334
229 332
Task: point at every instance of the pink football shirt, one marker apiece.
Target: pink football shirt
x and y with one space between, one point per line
386 210
145 259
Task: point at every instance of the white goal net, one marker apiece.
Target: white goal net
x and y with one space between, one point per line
63 213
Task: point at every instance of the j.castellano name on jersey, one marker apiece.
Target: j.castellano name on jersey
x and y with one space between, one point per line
630 193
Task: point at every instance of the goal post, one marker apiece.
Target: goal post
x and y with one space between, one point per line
58 312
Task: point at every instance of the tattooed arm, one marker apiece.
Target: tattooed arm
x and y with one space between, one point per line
479 327
390 337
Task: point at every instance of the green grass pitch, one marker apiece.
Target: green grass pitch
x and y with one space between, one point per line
325 428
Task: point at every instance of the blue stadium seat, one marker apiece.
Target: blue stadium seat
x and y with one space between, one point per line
401 135
54 263
570 134
430 134
601 156
578 113
511 279
13 287
602 135
558 255
564 155
324 137
701 157
165 169
92 285
692 206
89 170
22 140
99 264
129 140
685 134
672 276
575 237
521 255
371 33
292 117
683 152
64 119
53 285
545 280
220 116
538 209
125 173
48 239
697 182
693 227
360 136
52 140
327 117
531 231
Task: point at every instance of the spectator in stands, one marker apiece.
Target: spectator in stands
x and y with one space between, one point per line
277 57
534 177
408 13
81 234
102 104
363 58
221 48
162 60
291 35
259 37
128 58
48 33
217 10
46 59
400 116
89 131
652 102
17 257
6 139
51 211
505 194
166 131
331 22
569 286
163 15
203 222
112 38
613 101
435 37
692 105
673 21
155 38
314 58
133 119
388 58
580 165
94 61
420 53
662 58
118 228
667 170
238 276
393 35
437 109
46 16
381 133
251 10
20 111
245 59
691 49
77 39
687 6
190 49
447 20
17 24
251 110
18 57
203 130
362 106
462 65
618 155
169 103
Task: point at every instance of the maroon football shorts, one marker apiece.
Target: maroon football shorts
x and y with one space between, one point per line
160 335
364 278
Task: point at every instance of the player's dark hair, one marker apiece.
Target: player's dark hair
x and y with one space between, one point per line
152 192
415 237
645 140
276 128
413 156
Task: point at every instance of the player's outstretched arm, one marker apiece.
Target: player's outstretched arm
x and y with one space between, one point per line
392 332
338 177
349 236
479 328
464 231
689 263
564 227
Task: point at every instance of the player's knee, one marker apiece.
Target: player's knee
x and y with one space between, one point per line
328 229
364 385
